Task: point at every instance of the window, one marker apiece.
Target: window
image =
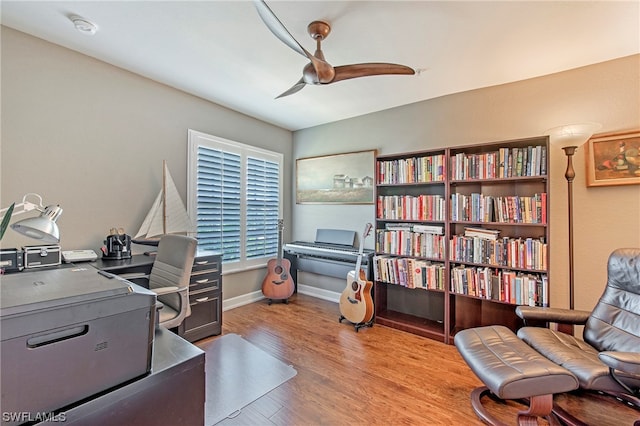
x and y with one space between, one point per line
234 195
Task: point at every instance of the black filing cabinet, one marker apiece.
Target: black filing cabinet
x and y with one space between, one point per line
205 298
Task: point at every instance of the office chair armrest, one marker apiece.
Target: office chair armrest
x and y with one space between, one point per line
167 290
628 362
557 315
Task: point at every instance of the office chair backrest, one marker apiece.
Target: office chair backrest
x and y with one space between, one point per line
614 324
172 266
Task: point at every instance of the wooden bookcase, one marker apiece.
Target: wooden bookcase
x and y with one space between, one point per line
461 236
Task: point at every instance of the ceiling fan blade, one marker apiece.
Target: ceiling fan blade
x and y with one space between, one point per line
323 71
278 29
294 89
344 72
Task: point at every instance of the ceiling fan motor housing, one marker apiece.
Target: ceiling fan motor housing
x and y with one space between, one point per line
319 30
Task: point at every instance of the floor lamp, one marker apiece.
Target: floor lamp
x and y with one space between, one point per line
569 138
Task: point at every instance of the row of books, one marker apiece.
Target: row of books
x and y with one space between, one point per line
504 163
528 253
408 243
506 286
412 170
410 273
504 209
409 207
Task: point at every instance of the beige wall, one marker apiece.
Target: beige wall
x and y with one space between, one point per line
92 137
605 217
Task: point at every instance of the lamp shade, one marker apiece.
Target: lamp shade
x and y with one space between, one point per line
43 227
572 134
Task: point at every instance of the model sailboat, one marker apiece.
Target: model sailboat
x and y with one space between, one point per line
167 215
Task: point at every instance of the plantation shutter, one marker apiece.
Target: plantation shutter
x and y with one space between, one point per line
219 214
234 194
262 201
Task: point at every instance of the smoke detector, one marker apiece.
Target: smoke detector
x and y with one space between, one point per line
83 25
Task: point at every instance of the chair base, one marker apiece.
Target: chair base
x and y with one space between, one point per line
570 420
630 400
538 406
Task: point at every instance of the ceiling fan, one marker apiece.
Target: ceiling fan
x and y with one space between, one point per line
319 71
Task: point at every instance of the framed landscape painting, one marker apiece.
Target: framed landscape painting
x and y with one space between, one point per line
613 159
336 179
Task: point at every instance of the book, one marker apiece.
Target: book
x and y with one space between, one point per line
398 226
489 234
501 162
496 289
418 278
431 229
519 161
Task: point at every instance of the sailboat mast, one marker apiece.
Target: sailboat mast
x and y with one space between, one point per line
164 196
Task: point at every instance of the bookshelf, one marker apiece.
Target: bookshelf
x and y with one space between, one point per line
461 236
411 216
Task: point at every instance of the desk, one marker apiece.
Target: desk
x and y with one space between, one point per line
173 393
138 263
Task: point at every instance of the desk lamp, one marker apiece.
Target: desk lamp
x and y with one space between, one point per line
42 227
569 138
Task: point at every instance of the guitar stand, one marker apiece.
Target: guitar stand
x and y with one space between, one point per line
285 301
359 325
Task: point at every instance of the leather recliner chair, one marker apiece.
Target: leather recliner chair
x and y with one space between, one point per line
608 359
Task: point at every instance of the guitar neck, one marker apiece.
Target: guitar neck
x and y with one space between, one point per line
280 227
359 263
367 229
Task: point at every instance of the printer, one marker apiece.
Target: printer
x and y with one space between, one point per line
68 334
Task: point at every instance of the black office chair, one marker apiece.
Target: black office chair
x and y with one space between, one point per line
608 359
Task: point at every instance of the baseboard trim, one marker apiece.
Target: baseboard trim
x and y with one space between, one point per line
245 299
320 293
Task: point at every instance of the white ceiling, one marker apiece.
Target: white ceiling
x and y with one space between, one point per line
223 52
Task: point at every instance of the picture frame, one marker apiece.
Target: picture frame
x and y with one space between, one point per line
613 159
346 178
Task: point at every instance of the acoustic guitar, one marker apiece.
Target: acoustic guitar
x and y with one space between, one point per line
356 304
278 284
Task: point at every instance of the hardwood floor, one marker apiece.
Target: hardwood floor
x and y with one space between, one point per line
377 376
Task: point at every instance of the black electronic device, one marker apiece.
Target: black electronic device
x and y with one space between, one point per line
59 322
117 246
11 260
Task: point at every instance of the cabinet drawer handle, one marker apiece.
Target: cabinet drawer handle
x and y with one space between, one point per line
202 262
202 281
202 299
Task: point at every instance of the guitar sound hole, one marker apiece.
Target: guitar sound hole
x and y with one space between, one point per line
278 269
355 286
